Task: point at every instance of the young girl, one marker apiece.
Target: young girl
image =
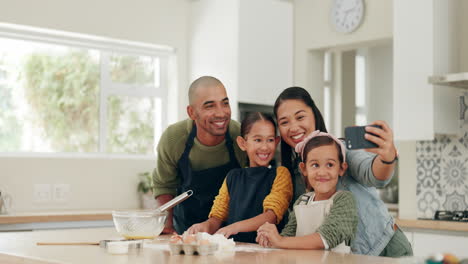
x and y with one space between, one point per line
250 197
316 212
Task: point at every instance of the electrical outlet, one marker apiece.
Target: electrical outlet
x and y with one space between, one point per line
42 193
60 192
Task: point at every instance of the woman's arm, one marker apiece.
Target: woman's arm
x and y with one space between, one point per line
386 152
368 167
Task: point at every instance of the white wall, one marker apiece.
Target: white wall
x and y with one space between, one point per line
380 83
96 183
246 44
463 26
214 44
265 50
312 30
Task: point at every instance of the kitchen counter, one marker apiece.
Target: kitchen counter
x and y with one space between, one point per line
58 216
433 225
20 247
56 220
99 215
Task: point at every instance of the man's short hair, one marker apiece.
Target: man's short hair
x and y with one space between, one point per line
204 81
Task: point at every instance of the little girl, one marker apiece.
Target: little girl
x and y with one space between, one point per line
324 218
250 197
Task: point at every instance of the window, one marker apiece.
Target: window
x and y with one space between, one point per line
62 92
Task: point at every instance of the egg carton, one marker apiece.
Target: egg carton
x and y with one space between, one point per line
191 249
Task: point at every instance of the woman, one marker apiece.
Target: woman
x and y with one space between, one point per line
298 116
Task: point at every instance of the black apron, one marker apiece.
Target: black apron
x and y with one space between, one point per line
205 185
248 188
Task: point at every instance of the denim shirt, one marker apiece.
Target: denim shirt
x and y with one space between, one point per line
375 224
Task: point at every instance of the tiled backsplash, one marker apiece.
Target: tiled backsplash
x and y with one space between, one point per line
442 171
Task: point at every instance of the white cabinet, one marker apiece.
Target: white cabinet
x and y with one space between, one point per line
265 45
426 46
428 243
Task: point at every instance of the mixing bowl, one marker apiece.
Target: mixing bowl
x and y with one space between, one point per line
139 224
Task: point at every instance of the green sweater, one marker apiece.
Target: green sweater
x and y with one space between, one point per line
339 225
172 145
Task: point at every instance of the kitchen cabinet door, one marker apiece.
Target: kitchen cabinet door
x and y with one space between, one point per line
426 244
428 47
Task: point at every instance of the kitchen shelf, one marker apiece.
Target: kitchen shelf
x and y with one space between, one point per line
459 80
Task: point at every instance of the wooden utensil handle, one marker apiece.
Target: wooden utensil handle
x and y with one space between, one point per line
66 243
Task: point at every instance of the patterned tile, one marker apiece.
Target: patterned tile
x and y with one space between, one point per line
464 140
428 149
454 175
455 202
428 203
428 171
442 174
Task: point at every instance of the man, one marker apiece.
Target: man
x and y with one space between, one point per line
196 154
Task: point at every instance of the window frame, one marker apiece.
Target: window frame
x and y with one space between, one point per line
106 46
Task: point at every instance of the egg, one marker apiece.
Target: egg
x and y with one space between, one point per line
175 239
204 242
189 239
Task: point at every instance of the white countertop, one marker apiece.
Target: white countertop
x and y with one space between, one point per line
20 247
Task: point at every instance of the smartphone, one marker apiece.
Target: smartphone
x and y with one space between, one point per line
354 137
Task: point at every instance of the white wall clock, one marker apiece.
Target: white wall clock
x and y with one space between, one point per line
347 15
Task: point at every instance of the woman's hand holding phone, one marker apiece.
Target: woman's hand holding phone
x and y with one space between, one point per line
384 139
376 137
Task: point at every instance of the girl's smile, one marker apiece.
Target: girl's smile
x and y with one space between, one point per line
259 143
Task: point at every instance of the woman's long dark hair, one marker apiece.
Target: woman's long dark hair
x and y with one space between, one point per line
297 93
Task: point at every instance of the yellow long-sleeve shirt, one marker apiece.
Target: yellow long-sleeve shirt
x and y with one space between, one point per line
277 201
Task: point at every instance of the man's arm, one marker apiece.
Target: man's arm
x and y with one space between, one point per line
162 199
165 177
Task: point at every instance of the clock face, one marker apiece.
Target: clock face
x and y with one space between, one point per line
347 15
